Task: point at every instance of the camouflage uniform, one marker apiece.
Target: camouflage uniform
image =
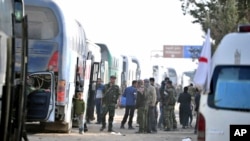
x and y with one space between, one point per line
142 110
169 104
174 118
109 101
191 91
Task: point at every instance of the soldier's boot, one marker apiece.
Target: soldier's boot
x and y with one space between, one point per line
103 127
85 127
110 128
130 126
122 126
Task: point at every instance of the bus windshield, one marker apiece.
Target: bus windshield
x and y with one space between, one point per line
232 87
42 23
172 73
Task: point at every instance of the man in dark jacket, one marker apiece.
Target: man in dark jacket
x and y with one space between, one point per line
184 109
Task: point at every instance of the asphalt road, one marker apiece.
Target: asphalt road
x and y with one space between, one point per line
94 134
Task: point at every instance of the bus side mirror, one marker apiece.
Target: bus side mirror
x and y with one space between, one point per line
18 10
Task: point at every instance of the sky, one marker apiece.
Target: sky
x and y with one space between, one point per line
137 27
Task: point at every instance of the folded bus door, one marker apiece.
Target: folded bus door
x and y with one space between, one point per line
41 97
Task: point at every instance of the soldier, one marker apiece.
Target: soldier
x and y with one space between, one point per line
150 93
111 93
169 103
191 91
162 96
142 108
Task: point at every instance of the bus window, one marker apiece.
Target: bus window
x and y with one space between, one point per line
18 10
43 24
172 73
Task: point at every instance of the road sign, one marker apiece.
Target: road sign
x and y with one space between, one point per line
192 51
172 51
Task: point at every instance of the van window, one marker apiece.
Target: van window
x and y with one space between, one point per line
232 87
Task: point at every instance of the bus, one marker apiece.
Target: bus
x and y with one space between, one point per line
160 72
57 63
129 70
187 78
12 83
171 73
110 64
138 67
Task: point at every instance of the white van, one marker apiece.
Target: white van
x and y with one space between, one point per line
228 102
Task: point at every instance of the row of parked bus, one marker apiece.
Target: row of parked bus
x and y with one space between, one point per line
45 58
160 72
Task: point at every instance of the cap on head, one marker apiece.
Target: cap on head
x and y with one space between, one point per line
113 76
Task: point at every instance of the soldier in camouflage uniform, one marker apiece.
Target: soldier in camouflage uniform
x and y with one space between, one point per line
191 91
168 107
111 93
142 108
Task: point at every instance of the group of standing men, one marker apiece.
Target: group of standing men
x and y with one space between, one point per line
142 95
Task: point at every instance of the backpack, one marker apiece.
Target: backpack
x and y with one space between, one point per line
172 100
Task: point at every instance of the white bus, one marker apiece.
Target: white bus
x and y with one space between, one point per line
129 70
138 67
57 61
160 72
171 73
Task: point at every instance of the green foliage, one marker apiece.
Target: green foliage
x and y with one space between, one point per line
221 16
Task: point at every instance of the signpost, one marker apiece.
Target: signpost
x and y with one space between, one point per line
178 51
172 51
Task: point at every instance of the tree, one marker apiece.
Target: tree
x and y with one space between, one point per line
221 16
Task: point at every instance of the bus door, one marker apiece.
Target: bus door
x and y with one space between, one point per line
104 70
95 71
87 72
41 97
94 74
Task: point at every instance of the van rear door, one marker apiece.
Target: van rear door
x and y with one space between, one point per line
41 97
